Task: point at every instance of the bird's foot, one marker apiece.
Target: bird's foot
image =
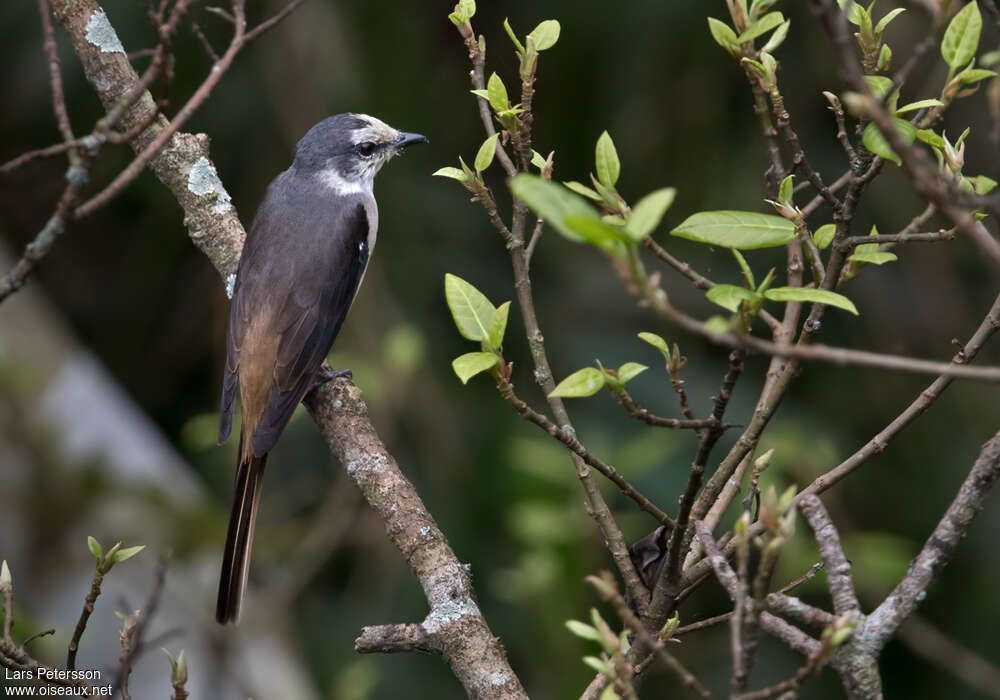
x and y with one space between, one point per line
325 374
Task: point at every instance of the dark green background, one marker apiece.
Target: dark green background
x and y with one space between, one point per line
148 303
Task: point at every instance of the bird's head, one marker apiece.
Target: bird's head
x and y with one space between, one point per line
347 150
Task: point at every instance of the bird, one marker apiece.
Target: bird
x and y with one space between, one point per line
302 264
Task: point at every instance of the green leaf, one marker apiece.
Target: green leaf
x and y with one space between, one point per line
856 14
646 215
819 296
456 19
582 189
599 665
499 327
657 342
884 57
552 202
778 37
961 38
729 296
538 160
453 173
920 104
513 37
884 22
610 693
745 230
823 236
545 35
127 553
983 185
472 311
95 547
875 142
930 138
723 34
583 630
470 364
768 279
481 93
744 268
629 371
974 75
585 382
879 85
606 161
762 26
467 8
486 152
596 231
786 190
873 257
496 93
716 324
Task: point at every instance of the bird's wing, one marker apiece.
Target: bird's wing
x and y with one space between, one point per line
327 276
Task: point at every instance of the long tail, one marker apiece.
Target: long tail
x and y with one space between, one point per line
239 540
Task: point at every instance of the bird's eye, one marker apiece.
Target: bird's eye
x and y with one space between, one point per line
366 149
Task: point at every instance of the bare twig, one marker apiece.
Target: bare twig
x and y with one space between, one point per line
88 609
838 569
568 438
642 414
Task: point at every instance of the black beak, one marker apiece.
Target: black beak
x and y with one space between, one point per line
405 139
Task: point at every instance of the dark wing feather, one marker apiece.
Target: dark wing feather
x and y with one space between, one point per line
312 316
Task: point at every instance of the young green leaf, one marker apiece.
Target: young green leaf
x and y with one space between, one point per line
127 553
552 202
585 382
470 364
606 161
95 547
646 215
485 94
919 104
786 190
472 311
961 38
884 22
875 142
983 185
778 38
819 296
745 230
538 160
884 57
486 152
729 296
453 173
879 85
973 75
467 8
456 19
496 93
599 665
629 371
596 231
823 236
545 35
723 34
610 693
762 26
657 342
930 138
583 630
499 327
744 268
582 189
873 257
513 37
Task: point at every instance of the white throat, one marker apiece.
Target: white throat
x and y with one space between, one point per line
332 179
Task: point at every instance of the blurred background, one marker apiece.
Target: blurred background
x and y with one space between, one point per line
110 360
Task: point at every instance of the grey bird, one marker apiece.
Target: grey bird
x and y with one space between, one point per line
303 261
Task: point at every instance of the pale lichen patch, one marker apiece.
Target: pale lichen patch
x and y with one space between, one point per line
101 34
203 180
